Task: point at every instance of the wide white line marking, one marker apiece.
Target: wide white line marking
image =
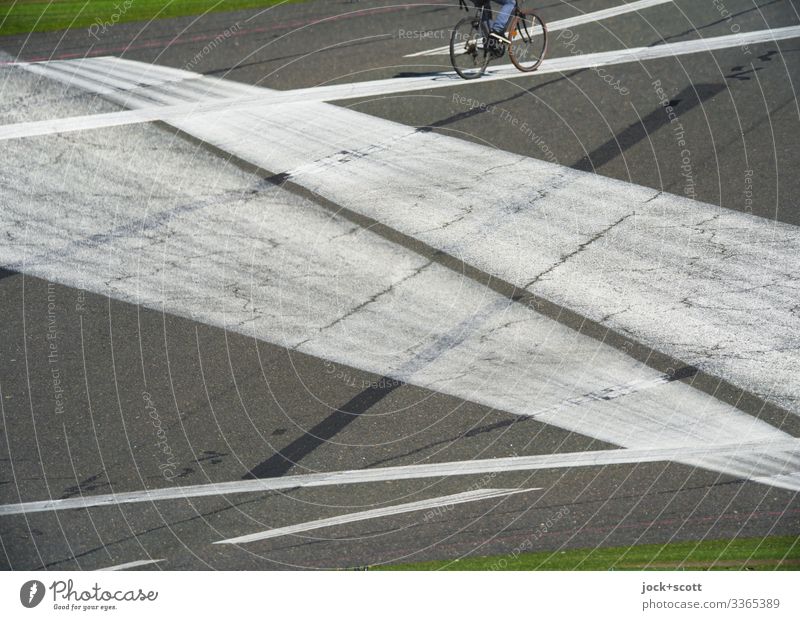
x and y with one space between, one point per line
128 565
381 87
394 313
427 504
570 22
80 123
597 458
618 253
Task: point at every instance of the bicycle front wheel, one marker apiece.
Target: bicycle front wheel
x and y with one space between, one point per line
467 52
528 34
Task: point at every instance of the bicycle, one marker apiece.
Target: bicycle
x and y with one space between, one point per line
468 50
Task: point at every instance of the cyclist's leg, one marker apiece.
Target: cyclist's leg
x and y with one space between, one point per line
503 15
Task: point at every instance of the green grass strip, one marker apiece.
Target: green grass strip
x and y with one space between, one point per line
25 16
772 553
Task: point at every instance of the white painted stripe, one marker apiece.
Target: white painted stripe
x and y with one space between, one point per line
393 85
595 458
427 504
130 84
128 565
80 123
638 270
139 72
555 65
117 84
570 22
395 313
785 481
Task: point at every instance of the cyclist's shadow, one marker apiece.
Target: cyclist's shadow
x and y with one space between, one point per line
414 74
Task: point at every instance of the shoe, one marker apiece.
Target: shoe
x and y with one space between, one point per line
496 34
496 44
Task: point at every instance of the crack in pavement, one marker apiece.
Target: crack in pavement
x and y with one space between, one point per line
578 250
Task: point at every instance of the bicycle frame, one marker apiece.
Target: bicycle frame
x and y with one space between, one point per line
483 13
476 31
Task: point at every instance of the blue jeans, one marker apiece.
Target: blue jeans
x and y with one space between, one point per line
502 15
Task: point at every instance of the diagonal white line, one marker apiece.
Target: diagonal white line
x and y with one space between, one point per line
128 565
393 85
373 151
436 502
569 22
371 166
411 472
555 65
784 481
81 123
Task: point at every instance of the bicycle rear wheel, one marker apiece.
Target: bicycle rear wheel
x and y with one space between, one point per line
467 52
528 34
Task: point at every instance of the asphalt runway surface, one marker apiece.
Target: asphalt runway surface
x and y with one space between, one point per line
272 244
